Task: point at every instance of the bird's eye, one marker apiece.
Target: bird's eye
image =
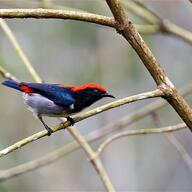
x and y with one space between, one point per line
95 91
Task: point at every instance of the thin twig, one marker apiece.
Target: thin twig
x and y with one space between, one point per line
18 49
163 25
142 96
5 74
141 11
174 142
139 132
181 150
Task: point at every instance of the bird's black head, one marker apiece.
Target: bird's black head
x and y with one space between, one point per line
88 94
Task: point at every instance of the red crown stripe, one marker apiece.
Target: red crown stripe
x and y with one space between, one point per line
88 85
26 89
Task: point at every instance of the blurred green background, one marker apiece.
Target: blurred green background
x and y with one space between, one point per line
75 52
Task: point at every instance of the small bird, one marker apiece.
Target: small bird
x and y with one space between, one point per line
57 100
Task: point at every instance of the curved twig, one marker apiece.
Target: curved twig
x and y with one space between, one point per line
139 132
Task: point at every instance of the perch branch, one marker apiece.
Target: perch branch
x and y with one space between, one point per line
95 135
142 96
91 137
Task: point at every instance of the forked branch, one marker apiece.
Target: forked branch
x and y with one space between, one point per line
127 29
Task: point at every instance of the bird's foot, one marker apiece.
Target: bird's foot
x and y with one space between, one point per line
71 120
49 130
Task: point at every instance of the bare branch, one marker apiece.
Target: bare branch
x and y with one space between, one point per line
139 132
127 29
57 14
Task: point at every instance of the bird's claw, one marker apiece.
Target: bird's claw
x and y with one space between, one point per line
49 130
71 120
49 133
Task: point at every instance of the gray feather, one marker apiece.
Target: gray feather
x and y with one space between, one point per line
43 106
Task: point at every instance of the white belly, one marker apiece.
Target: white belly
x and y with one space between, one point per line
41 105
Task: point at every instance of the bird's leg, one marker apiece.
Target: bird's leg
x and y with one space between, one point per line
71 120
46 126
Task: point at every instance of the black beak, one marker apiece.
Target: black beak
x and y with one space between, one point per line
108 95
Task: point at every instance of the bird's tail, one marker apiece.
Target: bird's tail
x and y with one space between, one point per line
12 84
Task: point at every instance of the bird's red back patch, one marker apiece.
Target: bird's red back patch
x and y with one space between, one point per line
89 85
26 89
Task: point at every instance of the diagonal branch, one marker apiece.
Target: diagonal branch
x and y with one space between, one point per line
142 96
5 74
125 27
91 137
95 135
19 51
